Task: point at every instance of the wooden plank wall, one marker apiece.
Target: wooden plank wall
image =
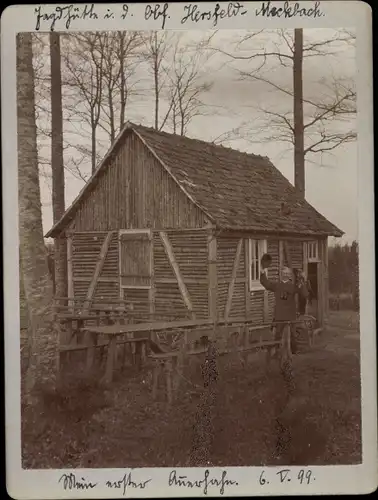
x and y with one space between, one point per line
296 252
245 303
226 252
274 272
86 248
190 251
324 244
135 192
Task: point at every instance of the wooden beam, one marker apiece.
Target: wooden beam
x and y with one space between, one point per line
212 276
190 281
233 278
321 284
99 280
286 248
247 291
152 290
269 236
121 294
280 256
172 260
305 258
326 282
98 269
70 285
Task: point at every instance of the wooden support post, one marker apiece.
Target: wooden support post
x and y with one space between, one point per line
305 258
155 378
178 372
172 260
97 272
322 293
246 336
281 256
233 278
325 283
212 276
152 290
70 283
139 354
112 346
90 351
287 253
247 291
66 331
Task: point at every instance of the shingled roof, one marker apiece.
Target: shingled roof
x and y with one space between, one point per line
236 190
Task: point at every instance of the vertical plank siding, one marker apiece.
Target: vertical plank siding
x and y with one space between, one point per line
227 247
190 252
226 250
190 248
226 254
325 281
136 192
274 272
296 253
86 248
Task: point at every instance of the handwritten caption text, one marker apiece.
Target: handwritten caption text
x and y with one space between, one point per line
65 16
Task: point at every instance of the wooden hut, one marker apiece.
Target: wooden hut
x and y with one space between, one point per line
173 223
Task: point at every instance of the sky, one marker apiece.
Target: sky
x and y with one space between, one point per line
231 103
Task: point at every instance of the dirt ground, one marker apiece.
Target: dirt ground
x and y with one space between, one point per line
87 426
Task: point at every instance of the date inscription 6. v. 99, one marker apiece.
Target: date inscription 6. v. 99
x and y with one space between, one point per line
304 476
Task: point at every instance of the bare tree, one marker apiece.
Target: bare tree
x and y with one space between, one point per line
156 48
44 342
179 79
187 85
299 130
84 68
120 63
57 163
75 154
311 125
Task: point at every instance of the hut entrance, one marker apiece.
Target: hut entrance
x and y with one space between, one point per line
135 264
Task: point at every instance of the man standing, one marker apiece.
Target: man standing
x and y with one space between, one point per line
303 299
285 291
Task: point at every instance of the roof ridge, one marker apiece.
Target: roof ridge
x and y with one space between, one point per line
201 141
232 188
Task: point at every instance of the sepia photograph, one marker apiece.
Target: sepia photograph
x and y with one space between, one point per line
189 253
189 287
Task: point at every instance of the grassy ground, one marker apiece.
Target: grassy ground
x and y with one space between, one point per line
87 426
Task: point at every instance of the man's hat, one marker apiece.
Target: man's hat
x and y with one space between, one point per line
266 260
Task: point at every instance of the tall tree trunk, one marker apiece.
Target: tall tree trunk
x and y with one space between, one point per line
44 359
121 36
111 115
57 164
93 138
299 156
156 80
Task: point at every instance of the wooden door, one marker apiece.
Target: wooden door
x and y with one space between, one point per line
135 267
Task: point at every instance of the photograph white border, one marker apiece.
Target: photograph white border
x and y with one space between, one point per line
41 484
